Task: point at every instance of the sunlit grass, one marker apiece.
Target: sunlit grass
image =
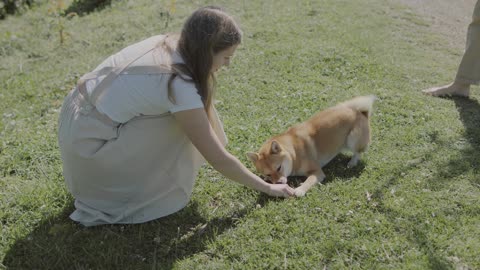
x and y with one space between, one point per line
413 202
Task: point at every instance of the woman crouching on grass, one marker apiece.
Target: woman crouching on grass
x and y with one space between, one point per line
134 132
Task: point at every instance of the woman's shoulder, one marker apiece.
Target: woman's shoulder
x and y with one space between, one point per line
147 43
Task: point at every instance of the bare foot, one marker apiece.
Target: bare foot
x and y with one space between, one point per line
453 89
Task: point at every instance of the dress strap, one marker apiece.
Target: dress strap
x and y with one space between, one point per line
111 73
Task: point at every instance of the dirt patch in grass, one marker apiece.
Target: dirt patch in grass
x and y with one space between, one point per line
449 18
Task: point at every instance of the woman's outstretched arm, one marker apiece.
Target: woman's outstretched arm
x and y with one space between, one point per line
196 126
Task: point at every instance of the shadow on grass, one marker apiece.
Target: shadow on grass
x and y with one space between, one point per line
469 112
337 168
467 159
417 230
417 234
59 243
84 7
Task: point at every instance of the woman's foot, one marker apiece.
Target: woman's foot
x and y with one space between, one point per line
453 89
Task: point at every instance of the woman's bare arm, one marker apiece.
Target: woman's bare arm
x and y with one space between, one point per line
196 126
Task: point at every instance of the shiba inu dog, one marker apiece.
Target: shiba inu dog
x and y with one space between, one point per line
306 147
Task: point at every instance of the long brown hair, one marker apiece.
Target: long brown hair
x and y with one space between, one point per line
206 32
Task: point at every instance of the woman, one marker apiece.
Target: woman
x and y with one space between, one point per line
133 132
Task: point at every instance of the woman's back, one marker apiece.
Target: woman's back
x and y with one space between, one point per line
134 93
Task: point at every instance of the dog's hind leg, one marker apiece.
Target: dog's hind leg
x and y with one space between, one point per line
358 139
354 160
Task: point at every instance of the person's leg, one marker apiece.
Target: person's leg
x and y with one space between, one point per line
469 69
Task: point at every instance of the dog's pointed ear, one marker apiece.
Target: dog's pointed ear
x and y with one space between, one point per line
252 156
275 148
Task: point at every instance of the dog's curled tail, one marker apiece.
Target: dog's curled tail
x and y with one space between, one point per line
363 104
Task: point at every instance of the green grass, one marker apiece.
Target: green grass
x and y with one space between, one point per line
412 203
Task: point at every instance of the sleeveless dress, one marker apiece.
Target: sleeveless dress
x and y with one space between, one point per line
125 172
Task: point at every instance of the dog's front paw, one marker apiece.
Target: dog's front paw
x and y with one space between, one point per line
299 192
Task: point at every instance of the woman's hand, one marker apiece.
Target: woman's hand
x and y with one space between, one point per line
280 190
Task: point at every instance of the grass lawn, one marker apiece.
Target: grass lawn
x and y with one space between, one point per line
412 203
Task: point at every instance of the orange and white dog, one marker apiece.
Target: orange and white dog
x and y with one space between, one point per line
306 147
